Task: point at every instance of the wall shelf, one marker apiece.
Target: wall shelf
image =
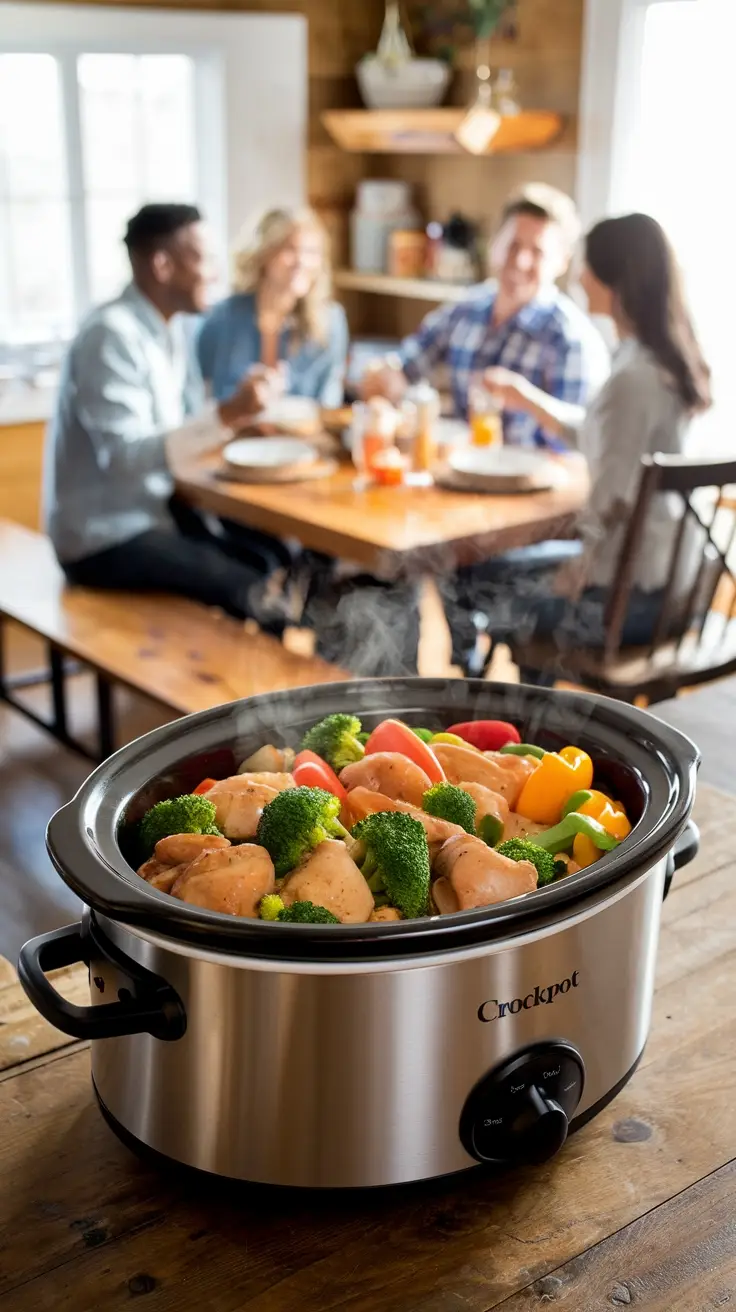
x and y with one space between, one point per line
415 289
431 131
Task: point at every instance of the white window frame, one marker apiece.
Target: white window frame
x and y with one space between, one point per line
249 69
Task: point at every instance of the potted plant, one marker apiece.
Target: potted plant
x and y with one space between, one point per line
442 26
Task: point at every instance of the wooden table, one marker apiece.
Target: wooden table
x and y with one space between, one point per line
637 1210
416 530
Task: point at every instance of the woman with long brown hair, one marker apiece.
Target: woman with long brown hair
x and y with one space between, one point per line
280 315
659 381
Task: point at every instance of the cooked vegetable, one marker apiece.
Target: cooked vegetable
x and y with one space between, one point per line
486 735
335 740
393 736
490 829
523 749
426 735
270 906
189 814
557 777
204 787
310 771
562 836
610 815
447 738
396 859
362 738
577 801
520 849
295 822
449 802
268 760
306 913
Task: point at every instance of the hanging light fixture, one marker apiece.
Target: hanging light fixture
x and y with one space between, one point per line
479 126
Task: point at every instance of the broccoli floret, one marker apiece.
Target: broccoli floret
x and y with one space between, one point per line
335 740
190 814
449 802
362 738
306 913
520 849
426 735
297 820
396 860
270 906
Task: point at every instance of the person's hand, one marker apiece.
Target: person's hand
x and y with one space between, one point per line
383 378
258 390
509 390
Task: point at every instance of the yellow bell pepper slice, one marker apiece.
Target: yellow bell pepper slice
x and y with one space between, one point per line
609 814
584 851
558 776
452 738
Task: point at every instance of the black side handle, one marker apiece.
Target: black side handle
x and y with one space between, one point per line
685 850
148 1006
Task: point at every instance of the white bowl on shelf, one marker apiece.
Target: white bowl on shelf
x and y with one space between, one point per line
418 84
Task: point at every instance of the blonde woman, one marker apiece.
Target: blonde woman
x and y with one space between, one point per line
280 314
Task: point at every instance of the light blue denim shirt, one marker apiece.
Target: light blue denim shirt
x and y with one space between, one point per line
129 379
229 344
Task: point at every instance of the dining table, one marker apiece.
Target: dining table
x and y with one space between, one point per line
638 1209
405 530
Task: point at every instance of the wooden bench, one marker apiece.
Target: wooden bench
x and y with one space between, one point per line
177 652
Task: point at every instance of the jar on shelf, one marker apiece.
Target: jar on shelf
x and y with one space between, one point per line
407 253
381 208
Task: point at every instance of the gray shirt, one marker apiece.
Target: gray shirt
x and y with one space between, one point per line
129 379
637 412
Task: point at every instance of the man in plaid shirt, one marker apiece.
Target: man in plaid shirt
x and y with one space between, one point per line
520 322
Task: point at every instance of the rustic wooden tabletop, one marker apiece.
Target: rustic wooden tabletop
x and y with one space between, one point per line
422 529
637 1210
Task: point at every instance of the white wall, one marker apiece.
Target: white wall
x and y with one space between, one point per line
252 87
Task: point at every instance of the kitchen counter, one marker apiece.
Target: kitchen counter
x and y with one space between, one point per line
22 404
637 1209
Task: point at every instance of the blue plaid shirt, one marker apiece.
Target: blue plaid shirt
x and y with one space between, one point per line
550 341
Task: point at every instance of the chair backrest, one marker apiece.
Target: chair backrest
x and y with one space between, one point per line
714 519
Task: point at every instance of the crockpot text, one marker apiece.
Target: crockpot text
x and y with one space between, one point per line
492 1009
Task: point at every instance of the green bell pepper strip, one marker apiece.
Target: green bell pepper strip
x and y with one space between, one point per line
490 829
426 735
563 834
576 801
523 749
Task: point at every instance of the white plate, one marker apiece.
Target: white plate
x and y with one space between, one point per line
268 452
499 462
291 410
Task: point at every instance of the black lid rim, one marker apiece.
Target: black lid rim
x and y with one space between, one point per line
83 845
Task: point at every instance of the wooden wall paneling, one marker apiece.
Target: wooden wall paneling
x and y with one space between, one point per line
21 457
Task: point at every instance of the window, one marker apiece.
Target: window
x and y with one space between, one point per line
123 126
655 138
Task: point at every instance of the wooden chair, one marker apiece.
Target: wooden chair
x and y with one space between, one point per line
693 640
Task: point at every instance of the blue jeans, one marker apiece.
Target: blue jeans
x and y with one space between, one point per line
510 596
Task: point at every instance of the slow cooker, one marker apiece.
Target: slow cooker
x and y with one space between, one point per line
344 1056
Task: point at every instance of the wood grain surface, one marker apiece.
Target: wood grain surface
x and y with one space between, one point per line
182 654
425 530
637 1209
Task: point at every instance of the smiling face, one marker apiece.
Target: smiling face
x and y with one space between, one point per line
183 269
293 268
527 256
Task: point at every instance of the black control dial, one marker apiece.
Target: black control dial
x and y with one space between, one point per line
520 1111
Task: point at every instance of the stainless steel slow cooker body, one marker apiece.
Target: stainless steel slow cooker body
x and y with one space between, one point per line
377 1054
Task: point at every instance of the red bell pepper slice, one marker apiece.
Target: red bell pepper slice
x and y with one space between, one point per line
204 787
393 736
486 735
310 771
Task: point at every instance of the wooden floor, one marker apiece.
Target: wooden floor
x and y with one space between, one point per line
37 776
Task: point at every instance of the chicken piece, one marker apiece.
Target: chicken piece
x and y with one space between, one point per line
276 779
470 874
385 914
517 826
363 802
463 765
519 767
232 881
172 855
389 773
180 849
239 804
330 878
488 803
